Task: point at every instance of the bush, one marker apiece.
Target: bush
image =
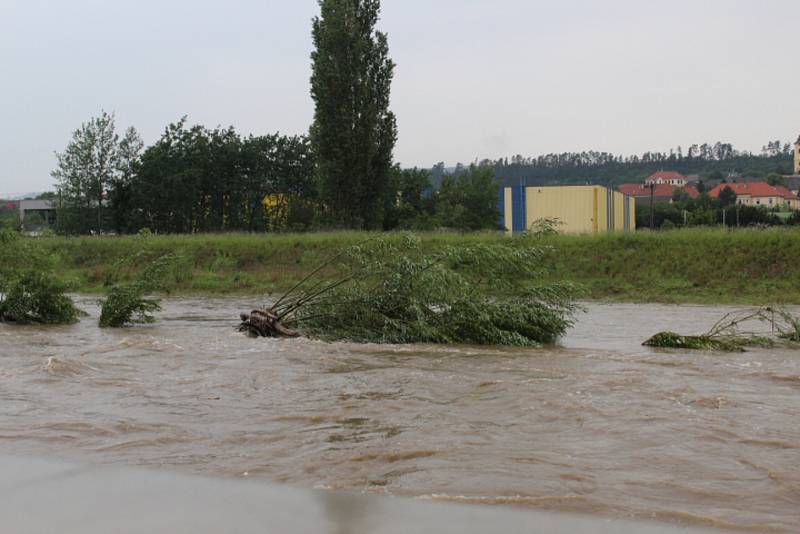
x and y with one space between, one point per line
35 297
126 303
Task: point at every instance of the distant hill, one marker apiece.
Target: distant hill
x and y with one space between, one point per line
20 196
707 160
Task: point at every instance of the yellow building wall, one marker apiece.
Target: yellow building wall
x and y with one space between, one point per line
601 221
632 210
579 208
619 211
509 211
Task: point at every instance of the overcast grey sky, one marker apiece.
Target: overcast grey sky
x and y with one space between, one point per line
475 78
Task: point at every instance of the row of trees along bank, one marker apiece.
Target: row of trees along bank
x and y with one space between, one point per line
195 179
342 175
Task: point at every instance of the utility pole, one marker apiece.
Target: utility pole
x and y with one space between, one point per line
652 199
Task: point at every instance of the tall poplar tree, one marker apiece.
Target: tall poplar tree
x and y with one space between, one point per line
354 133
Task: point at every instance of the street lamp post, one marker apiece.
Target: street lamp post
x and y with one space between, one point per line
652 199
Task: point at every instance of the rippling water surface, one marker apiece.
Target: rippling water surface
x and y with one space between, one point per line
599 425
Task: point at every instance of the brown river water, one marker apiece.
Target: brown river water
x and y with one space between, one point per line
598 425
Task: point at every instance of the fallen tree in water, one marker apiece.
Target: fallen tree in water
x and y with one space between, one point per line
387 291
727 335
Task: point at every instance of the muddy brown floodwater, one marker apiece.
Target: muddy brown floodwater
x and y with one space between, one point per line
598 425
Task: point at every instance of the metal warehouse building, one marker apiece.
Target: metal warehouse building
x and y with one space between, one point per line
583 209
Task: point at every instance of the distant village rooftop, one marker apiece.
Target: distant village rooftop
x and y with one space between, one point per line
660 192
759 194
668 178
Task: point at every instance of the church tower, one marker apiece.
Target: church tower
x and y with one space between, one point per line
797 156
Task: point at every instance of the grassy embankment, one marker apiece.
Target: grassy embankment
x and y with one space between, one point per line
697 266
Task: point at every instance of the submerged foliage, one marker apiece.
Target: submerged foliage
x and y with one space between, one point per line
392 293
727 334
127 304
35 297
29 291
704 342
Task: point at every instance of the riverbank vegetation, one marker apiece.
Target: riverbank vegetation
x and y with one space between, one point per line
691 265
196 180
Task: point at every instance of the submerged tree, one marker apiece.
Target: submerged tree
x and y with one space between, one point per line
37 297
128 303
354 133
30 293
391 292
729 333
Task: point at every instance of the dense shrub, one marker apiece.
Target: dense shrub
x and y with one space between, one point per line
35 297
127 304
390 292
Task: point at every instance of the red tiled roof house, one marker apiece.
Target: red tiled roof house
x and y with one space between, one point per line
759 194
661 193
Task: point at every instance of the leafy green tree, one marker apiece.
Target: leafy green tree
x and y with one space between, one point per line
467 201
129 154
169 186
198 180
412 207
354 132
727 197
85 171
662 212
775 179
281 168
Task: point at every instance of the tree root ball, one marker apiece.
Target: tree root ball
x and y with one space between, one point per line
264 323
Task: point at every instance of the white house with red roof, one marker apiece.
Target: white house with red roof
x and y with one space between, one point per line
759 194
672 178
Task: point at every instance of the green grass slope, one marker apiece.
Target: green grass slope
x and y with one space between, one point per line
693 266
